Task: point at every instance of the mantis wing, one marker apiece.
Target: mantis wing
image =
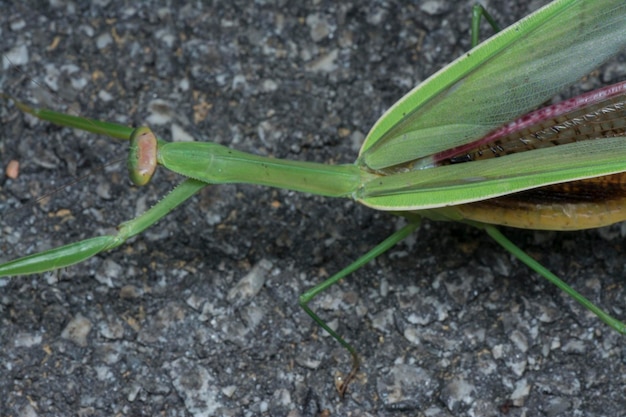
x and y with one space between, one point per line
504 77
465 183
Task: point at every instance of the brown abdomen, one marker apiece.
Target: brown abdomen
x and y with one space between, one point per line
575 205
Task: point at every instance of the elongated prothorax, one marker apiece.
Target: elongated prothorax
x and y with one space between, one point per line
217 164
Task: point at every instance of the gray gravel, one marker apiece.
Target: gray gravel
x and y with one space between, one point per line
198 316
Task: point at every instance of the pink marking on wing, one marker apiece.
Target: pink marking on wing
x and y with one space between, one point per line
550 112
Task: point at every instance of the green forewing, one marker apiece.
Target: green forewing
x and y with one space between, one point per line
504 77
465 183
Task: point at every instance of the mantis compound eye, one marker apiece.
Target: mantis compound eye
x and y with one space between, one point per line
142 158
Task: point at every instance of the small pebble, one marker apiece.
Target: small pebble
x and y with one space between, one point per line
13 169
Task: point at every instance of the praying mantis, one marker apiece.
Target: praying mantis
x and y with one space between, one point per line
435 343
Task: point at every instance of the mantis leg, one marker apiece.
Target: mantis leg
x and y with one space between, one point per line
544 272
307 296
76 252
479 12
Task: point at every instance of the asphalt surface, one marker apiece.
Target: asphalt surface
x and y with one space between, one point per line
199 315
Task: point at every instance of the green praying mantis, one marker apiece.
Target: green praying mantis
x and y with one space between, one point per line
423 158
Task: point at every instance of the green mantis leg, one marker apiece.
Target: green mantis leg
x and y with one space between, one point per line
479 12
307 296
541 270
76 252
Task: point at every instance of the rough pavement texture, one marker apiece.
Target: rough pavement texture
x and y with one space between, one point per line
199 315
